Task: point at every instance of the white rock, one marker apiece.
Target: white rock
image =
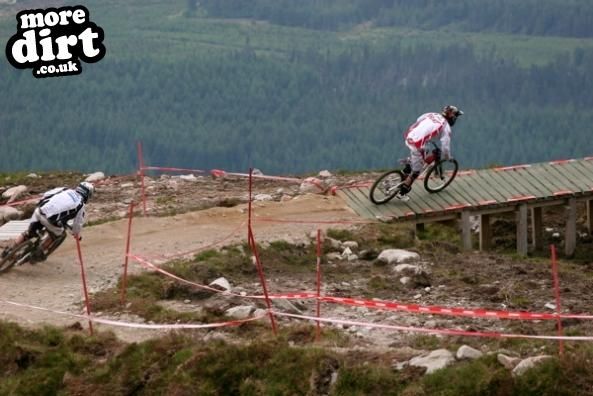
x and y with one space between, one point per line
8 213
334 243
346 252
263 197
396 256
409 268
257 172
240 312
285 198
94 177
556 235
529 363
350 244
221 283
405 280
259 312
14 192
126 185
312 185
434 361
549 229
325 173
280 191
188 178
467 352
33 176
352 257
508 362
551 306
333 256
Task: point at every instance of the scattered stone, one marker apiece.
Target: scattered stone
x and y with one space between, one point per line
551 306
549 229
407 268
325 174
186 301
221 284
257 172
396 256
334 243
8 213
508 362
188 178
352 257
350 244
368 254
346 252
434 361
95 177
285 198
33 176
263 197
556 235
312 185
467 352
529 363
333 256
287 306
14 193
240 312
405 280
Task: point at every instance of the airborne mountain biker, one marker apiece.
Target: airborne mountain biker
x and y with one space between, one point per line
427 127
56 208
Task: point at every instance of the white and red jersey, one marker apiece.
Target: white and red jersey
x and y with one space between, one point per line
427 127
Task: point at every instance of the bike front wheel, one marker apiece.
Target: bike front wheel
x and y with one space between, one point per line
440 175
386 187
19 254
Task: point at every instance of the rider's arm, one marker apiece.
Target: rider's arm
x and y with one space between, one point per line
446 141
78 222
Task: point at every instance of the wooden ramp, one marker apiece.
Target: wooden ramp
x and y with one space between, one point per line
12 229
488 191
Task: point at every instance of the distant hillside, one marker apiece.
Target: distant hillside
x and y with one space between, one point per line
287 89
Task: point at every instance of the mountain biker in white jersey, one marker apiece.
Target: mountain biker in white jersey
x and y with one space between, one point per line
56 208
427 127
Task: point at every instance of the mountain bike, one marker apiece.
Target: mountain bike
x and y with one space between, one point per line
31 250
436 172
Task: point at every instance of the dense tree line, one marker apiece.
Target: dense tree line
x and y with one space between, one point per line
569 18
315 109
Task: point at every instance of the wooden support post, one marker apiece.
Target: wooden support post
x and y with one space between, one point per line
466 231
522 230
537 229
485 232
570 239
419 228
590 216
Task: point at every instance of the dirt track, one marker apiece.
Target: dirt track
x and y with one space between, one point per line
56 283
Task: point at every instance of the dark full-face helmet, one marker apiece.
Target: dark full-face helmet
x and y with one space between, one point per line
451 113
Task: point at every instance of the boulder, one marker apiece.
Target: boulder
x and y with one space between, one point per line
508 362
529 363
325 174
240 312
14 193
467 352
8 213
434 361
263 197
95 177
350 244
397 256
312 185
221 284
188 178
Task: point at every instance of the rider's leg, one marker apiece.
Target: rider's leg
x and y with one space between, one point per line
417 162
53 233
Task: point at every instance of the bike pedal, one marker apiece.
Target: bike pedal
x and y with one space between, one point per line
403 198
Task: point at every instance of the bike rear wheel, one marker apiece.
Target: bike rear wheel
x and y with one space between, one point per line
440 175
19 254
386 187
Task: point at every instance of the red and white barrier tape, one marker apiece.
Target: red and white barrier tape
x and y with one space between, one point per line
168 169
138 325
389 305
272 220
433 331
221 173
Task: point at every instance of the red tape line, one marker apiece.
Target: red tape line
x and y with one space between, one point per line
509 168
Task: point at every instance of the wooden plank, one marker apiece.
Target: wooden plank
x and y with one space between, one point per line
485 232
361 210
522 230
361 198
577 176
570 240
537 174
562 178
537 228
498 183
543 175
491 191
517 188
466 232
471 187
12 229
533 184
